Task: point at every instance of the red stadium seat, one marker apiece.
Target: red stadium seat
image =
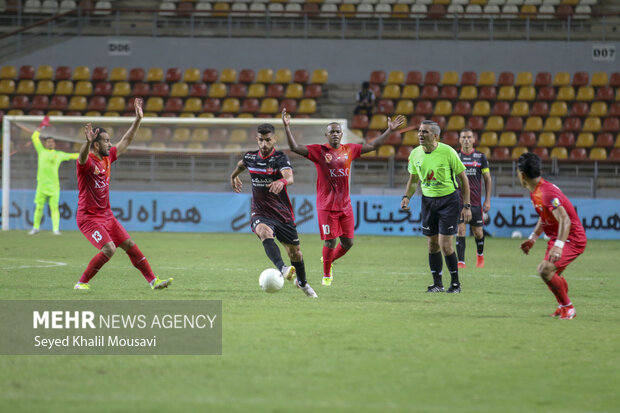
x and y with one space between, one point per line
360 122
250 106
514 123
546 93
543 79
450 138
614 109
198 90
20 102
605 94
563 11
313 91
289 104
136 74
603 140
614 79
385 107
97 103
100 74
540 109
103 89
441 121
393 139
611 124
212 105
141 89
579 109
566 139
40 102
33 112
403 152
487 93
429 92
543 153
173 75
301 76
475 123
246 76
26 72
436 11
275 91
210 75
501 108
578 154
372 135
432 77
173 105
238 90
462 108
506 79
449 93
572 124
469 79
614 155
160 89
377 77
58 102
414 77
500 153
581 79
415 121
63 73
424 107
527 139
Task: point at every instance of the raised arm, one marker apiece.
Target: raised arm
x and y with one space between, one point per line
133 129
90 134
235 182
412 186
292 144
392 125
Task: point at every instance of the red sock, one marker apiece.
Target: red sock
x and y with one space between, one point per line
327 260
559 289
140 262
339 252
93 267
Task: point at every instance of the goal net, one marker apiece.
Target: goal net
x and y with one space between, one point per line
167 155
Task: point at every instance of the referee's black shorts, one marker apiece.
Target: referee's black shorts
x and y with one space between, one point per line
440 215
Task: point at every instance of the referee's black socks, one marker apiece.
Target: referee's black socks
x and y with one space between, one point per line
436 264
273 253
453 265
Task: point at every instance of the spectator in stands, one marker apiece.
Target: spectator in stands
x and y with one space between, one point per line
365 100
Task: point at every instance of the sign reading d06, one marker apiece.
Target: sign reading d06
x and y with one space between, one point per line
119 47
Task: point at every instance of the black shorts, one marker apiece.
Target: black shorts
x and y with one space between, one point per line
285 232
440 215
476 217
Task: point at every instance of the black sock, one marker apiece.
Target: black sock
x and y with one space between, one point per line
460 248
480 245
453 265
436 264
300 271
273 253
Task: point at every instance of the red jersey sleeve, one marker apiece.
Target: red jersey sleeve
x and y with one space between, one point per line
113 154
552 198
314 152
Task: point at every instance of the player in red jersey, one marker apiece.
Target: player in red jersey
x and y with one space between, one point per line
94 215
333 164
559 220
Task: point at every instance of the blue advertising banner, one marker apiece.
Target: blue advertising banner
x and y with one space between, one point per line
230 212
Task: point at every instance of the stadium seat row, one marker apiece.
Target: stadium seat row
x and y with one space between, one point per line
157 74
54 7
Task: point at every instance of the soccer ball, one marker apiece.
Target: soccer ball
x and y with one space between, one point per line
271 280
517 235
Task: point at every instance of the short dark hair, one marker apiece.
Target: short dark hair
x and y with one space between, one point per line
365 85
529 163
98 135
265 128
465 130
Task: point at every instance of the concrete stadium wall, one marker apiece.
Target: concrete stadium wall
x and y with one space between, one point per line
347 61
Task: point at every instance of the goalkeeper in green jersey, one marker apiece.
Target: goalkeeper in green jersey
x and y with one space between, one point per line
48 185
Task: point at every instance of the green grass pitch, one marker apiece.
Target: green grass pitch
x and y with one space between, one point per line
373 341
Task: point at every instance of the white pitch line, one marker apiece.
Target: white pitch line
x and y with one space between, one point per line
50 264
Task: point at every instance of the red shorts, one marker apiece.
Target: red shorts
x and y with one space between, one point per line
100 231
570 252
334 224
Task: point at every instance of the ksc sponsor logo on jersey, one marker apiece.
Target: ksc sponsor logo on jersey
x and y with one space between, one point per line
340 172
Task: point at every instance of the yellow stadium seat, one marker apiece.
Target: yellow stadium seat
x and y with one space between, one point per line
256 90
25 87
524 78
44 72
585 94
468 93
294 91
116 104
481 108
404 107
192 105
518 151
488 139
155 74
77 103
533 124
450 78
585 140
52 112
400 11
456 123
245 115
506 93
121 89
561 79
566 93
64 87
181 135
386 151
81 73
200 135
228 76
395 77
5 102
154 104
83 88
195 146
231 105
8 72
264 76
559 153
179 90
410 138
546 140
598 154
319 76
7 87
238 136
144 135
495 123
527 93
187 115
269 105
592 124
507 139
217 90
307 107
391 92
283 76
191 75
118 74
16 112
598 109
485 150
553 124
520 108
410 92
486 79
599 79
443 108
45 87
558 109
378 122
